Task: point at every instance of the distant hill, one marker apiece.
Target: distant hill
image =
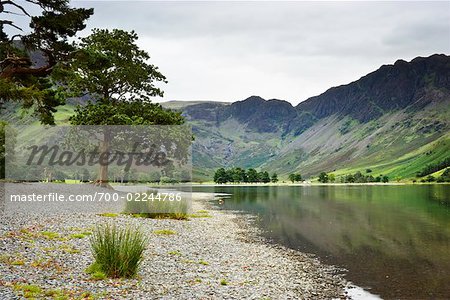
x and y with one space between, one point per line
393 121
178 104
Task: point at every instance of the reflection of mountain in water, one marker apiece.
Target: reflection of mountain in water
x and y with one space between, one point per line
395 239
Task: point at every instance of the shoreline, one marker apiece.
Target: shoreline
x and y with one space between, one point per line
217 256
194 184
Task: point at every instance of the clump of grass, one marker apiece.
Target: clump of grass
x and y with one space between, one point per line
69 249
164 232
77 236
118 252
173 216
202 262
175 252
201 214
50 235
109 215
157 209
18 262
28 290
96 272
223 282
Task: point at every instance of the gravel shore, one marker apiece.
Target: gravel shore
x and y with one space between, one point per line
213 255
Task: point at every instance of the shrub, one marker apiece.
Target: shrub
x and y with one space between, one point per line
177 210
118 252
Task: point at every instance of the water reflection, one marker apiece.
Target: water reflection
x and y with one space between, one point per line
392 239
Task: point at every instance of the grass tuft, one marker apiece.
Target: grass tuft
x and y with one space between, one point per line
164 232
109 215
118 252
77 236
202 262
157 209
18 262
50 235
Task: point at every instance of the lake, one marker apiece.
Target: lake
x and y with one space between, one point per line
394 240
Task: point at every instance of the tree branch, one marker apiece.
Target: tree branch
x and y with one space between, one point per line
16 5
15 71
10 23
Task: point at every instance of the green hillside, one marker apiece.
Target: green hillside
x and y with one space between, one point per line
394 121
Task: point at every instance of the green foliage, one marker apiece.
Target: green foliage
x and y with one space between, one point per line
331 177
118 252
237 175
252 175
78 236
295 177
429 178
53 23
264 177
274 178
28 290
95 270
445 176
112 68
50 235
109 215
223 282
222 176
167 180
157 209
292 177
434 167
358 177
323 177
125 113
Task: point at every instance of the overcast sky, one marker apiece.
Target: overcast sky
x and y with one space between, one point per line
227 51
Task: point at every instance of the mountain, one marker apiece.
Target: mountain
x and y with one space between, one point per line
393 121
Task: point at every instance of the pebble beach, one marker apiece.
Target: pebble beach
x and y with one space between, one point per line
212 255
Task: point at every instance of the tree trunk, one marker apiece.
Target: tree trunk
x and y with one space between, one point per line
104 152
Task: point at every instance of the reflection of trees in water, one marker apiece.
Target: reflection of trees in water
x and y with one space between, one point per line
375 231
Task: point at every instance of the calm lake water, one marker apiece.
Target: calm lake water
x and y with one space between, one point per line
393 240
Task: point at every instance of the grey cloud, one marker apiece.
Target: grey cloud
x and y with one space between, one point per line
291 50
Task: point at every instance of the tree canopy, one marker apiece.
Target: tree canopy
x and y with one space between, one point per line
116 74
26 81
238 175
110 67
